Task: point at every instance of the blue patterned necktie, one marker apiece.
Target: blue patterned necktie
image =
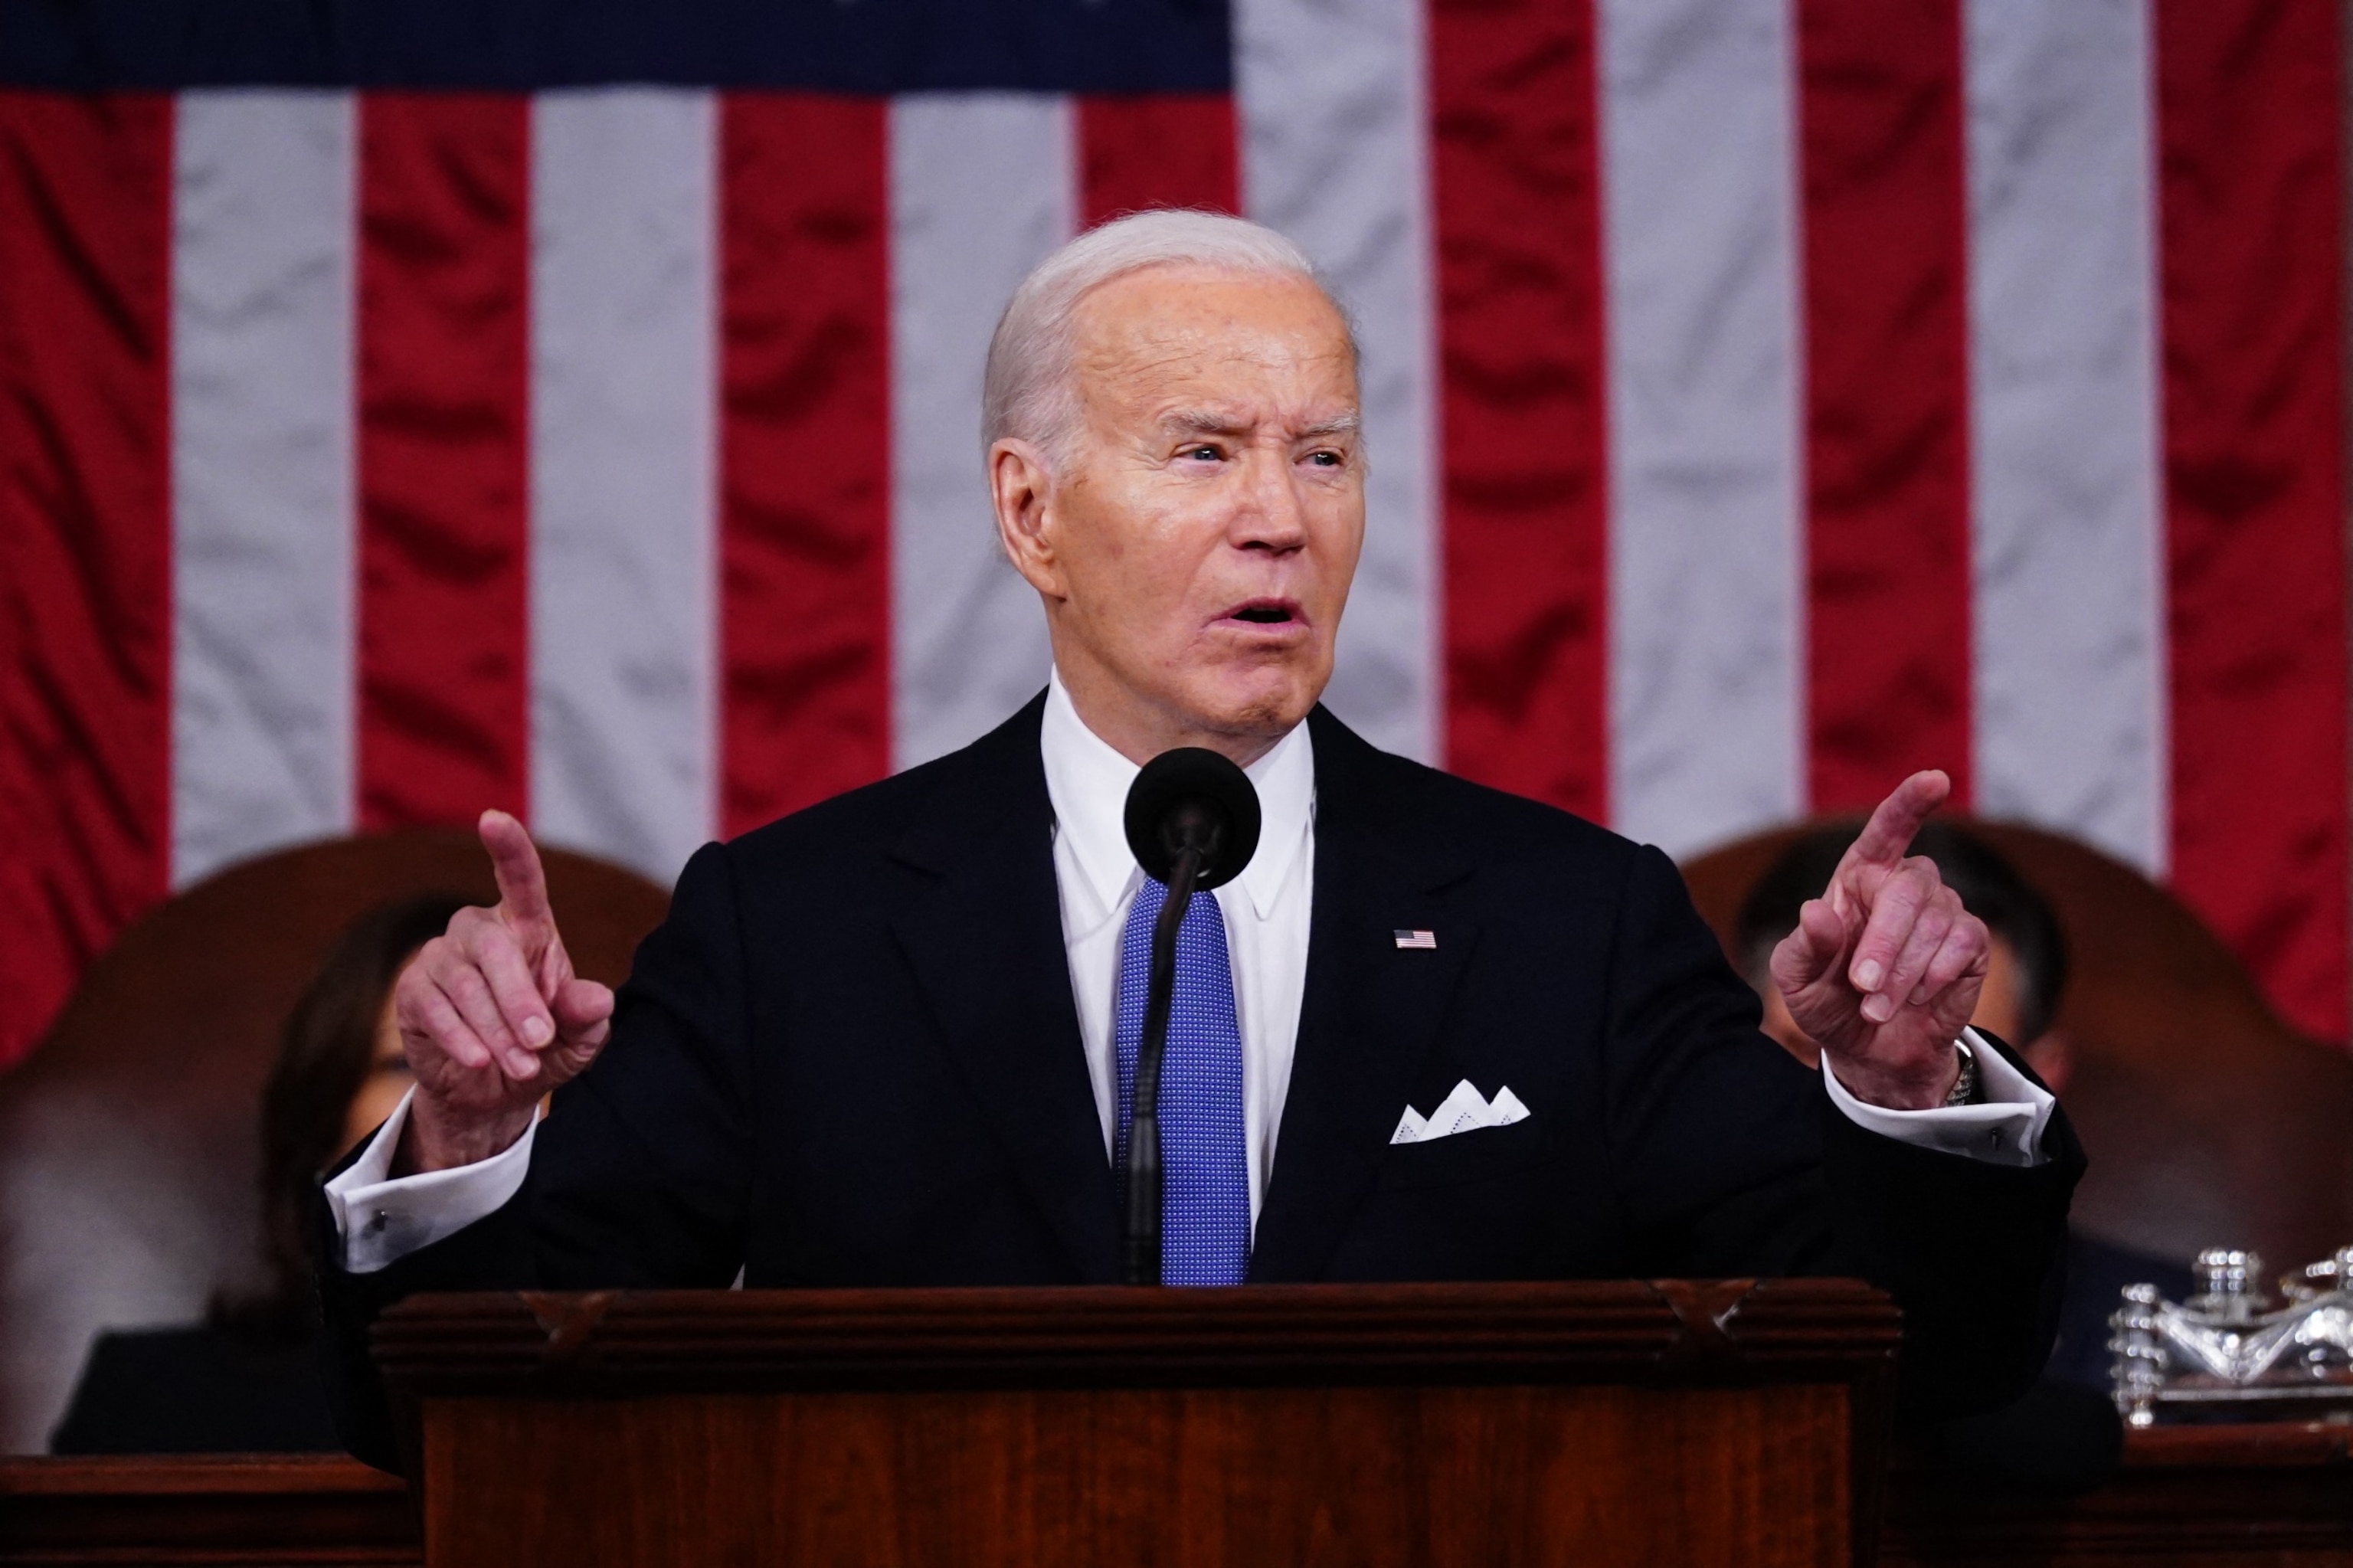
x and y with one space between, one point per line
1205 1191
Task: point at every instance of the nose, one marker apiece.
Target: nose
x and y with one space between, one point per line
1273 514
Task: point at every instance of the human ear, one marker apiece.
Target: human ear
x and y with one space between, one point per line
1021 489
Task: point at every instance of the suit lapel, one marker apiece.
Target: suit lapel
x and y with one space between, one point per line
986 943
1370 1012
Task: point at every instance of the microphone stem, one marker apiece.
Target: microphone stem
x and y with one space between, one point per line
1140 1249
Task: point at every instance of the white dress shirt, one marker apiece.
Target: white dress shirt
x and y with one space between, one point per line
1266 911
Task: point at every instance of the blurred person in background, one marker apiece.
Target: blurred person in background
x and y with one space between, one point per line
247 1378
2064 1434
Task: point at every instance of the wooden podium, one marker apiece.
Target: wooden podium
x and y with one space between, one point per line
1478 1425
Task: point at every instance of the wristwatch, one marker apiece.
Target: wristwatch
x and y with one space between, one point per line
1964 1088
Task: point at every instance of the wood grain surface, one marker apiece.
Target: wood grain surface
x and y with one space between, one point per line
1152 1477
1659 1422
1103 1336
2224 1497
255 1508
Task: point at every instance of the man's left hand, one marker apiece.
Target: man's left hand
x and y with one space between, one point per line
1884 968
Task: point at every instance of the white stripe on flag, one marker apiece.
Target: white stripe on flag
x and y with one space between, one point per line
1706 555
983 187
2070 677
1334 154
262 490
623 499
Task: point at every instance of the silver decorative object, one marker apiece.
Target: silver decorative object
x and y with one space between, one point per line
2231 1351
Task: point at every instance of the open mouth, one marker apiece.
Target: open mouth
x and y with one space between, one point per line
1267 612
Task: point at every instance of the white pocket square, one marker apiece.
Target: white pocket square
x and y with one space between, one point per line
1461 1111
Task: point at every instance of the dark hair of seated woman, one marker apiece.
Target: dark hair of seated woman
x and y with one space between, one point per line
247 1379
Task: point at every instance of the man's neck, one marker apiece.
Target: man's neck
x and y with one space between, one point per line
1141 731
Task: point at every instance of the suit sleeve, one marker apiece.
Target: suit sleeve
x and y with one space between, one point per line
1733 1163
640 1176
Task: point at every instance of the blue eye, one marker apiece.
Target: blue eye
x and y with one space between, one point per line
1209 454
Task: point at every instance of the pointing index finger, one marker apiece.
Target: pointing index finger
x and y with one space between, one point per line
522 886
1888 835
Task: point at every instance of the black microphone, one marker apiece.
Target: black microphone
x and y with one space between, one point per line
1192 822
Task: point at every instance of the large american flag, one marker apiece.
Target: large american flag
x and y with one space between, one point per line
572 406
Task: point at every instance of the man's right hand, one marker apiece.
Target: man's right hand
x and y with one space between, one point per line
492 1016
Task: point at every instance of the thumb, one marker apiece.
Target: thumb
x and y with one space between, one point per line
581 1005
584 1021
1810 950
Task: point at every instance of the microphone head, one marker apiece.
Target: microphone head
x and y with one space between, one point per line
1192 793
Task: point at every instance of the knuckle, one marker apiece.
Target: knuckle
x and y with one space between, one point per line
474 1001
444 1029
501 968
447 970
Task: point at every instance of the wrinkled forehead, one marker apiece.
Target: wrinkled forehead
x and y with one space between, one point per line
1198 337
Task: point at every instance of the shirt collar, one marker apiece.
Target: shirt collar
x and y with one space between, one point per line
1087 782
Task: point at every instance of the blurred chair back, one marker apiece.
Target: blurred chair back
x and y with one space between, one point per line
2208 1120
128 1139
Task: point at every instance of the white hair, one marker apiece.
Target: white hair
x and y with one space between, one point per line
1026 392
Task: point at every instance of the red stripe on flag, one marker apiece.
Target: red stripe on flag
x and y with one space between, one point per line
1888 560
2248 111
1168 149
1516 164
805 452
443 452
85 536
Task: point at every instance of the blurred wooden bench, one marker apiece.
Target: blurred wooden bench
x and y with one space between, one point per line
127 1144
2208 1120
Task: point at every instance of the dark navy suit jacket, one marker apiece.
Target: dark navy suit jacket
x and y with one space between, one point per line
850 1057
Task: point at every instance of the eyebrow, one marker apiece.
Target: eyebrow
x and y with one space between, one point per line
1211 422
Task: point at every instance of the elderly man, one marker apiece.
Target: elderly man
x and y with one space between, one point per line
883 1042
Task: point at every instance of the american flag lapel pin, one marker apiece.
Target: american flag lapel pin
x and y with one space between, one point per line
1417 939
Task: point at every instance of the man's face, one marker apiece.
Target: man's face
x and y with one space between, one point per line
1195 543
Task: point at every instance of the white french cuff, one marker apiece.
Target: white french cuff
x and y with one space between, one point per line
2005 1128
397 1215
